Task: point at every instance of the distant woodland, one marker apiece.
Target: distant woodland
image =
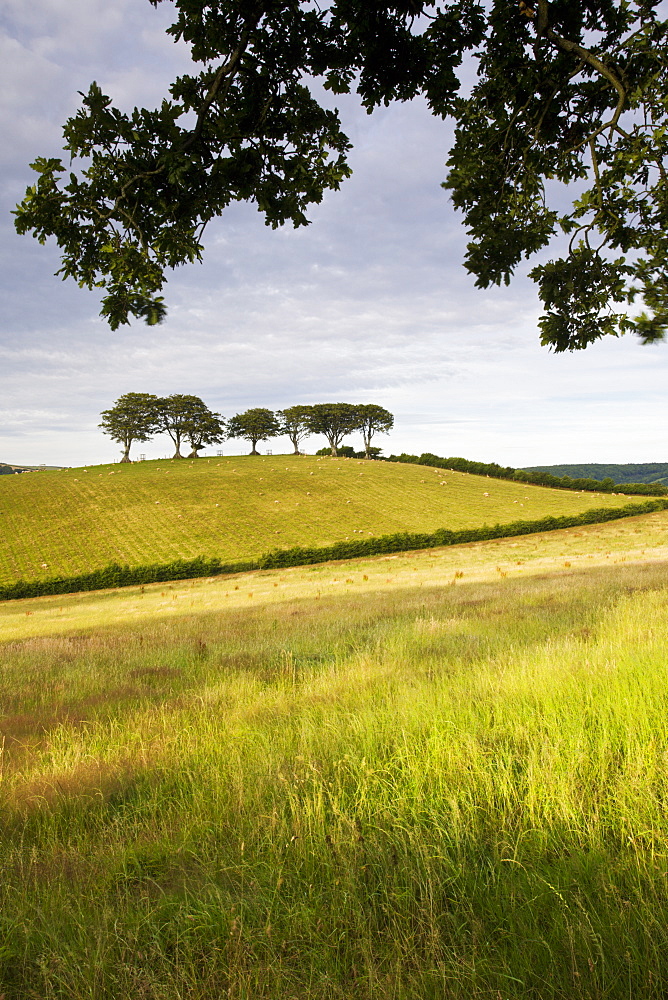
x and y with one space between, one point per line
647 472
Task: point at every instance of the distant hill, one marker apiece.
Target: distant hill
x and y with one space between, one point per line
79 520
643 472
8 470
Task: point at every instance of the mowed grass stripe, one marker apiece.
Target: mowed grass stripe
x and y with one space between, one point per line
78 520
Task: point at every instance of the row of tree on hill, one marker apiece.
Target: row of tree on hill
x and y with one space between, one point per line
138 416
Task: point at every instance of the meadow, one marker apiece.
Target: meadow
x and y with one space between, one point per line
440 774
60 523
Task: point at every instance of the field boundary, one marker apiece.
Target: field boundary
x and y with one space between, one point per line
494 471
115 575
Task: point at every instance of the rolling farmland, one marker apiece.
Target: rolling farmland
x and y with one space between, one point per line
76 520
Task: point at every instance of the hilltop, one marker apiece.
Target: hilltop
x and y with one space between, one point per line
7 469
78 520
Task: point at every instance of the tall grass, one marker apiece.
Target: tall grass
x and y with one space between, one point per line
451 792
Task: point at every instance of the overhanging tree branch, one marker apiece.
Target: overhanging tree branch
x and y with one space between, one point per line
147 187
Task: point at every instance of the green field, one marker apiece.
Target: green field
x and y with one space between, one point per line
76 520
432 775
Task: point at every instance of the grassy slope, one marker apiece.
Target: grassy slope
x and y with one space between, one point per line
235 508
410 790
633 540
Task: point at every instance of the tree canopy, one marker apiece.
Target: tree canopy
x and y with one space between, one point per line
373 419
133 417
203 428
334 420
188 418
566 94
137 416
256 424
294 423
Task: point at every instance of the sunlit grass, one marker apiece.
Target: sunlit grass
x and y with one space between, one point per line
78 520
415 788
641 539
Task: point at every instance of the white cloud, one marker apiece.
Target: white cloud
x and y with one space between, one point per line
58 28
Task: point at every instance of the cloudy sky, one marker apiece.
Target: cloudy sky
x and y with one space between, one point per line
368 304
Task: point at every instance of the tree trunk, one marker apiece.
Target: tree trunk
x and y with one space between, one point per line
194 453
176 438
254 451
126 455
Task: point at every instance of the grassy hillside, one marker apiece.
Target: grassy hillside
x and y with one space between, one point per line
638 540
642 472
437 775
74 520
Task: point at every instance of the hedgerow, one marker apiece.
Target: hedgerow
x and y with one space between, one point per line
405 541
123 576
495 471
116 575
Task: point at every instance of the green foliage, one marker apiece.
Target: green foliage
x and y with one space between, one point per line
578 292
256 424
185 417
347 451
133 417
564 94
149 185
534 476
334 420
373 419
116 575
123 576
570 94
204 428
294 423
631 473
